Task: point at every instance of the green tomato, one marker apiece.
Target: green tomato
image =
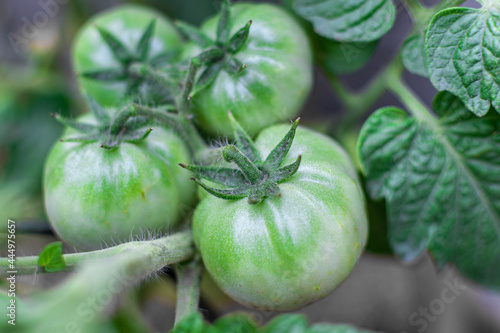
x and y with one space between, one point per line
274 85
287 251
96 197
127 23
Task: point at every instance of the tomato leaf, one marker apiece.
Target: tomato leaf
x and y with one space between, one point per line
349 20
236 322
243 322
51 258
441 184
463 56
289 323
413 55
339 58
286 324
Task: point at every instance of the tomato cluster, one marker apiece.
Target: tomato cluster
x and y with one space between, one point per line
274 233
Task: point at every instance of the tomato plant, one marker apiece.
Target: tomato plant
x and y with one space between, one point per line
284 213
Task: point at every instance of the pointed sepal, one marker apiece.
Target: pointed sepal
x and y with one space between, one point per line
277 155
144 44
206 78
81 127
99 113
81 139
234 66
223 176
257 180
194 34
239 39
286 172
138 136
119 50
107 75
231 194
243 140
224 26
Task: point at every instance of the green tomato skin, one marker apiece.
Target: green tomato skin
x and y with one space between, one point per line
286 252
127 22
274 85
95 198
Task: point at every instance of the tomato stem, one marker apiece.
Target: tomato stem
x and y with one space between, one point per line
357 104
188 288
412 103
155 254
180 123
162 78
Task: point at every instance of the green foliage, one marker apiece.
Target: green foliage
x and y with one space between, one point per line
51 258
441 183
437 174
413 55
339 58
350 20
244 323
463 56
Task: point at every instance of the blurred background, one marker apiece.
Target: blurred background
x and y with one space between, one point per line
36 79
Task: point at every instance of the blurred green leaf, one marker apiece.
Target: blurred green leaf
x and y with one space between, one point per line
236 322
51 258
413 55
338 58
348 20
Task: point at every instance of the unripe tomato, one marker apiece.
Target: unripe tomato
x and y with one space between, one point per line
287 251
96 197
276 81
127 23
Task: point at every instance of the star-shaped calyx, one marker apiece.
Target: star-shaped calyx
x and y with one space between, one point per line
222 50
126 126
255 178
128 58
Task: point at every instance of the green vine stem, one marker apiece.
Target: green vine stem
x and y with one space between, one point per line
144 70
188 288
422 15
59 309
445 4
182 124
357 104
154 254
414 105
